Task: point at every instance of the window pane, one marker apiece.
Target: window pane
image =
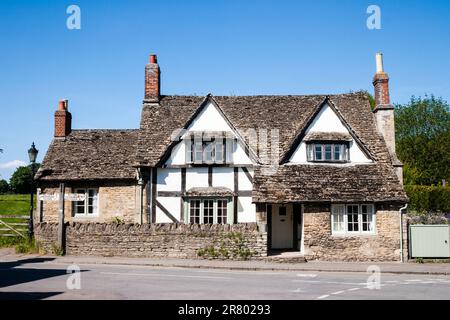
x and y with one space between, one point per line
208 211
318 152
198 151
338 218
219 151
328 152
92 201
352 218
337 152
229 148
208 151
79 205
367 218
222 211
194 211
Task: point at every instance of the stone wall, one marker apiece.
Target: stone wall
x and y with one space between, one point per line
320 244
150 240
116 200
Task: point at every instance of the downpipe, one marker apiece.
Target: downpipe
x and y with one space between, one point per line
401 231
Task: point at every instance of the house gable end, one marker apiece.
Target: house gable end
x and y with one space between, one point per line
328 121
209 117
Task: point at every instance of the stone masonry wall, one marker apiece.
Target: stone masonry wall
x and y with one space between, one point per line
115 200
149 240
320 244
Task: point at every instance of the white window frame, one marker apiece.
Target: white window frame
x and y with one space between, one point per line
86 204
194 142
343 147
360 221
215 209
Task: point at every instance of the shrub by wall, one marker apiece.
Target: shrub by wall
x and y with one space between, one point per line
429 198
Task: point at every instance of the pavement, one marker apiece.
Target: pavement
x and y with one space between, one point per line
252 265
50 278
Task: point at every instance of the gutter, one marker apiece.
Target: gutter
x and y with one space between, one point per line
401 231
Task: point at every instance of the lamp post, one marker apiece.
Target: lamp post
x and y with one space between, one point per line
32 154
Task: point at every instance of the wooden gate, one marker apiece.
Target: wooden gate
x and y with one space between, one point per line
14 226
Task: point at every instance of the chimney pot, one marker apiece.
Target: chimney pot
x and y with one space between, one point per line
153 58
379 59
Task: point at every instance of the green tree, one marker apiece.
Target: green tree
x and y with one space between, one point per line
4 186
21 181
423 140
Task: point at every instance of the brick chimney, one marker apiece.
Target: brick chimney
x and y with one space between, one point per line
152 80
384 113
63 120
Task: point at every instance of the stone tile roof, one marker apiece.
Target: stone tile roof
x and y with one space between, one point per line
89 155
309 183
111 154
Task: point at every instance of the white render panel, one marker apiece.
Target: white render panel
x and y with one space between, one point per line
223 177
172 204
177 155
196 177
246 210
327 121
239 156
243 181
209 120
169 180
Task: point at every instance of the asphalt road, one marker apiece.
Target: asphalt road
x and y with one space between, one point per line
36 279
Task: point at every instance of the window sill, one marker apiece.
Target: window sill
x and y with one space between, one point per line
354 235
78 218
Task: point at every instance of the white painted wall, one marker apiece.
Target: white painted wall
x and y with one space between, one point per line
169 180
172 204
246 210
327 121
223 177
243 182
196 177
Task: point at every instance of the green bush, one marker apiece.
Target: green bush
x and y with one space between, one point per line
428 198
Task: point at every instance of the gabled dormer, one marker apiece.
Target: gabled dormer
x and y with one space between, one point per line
209 138
328 139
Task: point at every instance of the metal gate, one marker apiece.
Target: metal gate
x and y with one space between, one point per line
14 226
429 241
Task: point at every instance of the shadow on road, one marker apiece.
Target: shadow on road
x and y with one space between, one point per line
10 275
27 295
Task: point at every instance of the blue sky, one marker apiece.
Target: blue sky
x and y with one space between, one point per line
223 47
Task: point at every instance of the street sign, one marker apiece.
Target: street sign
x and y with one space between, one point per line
67 197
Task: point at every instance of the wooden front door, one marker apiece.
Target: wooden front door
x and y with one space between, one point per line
282 227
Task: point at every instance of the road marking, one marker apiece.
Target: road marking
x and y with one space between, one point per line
353 289
237 272
333 282
414 280
324 296
338 292
392 281
163 275
306 275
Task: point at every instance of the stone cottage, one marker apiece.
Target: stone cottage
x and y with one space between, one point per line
314 174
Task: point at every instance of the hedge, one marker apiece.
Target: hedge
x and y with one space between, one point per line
428 198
